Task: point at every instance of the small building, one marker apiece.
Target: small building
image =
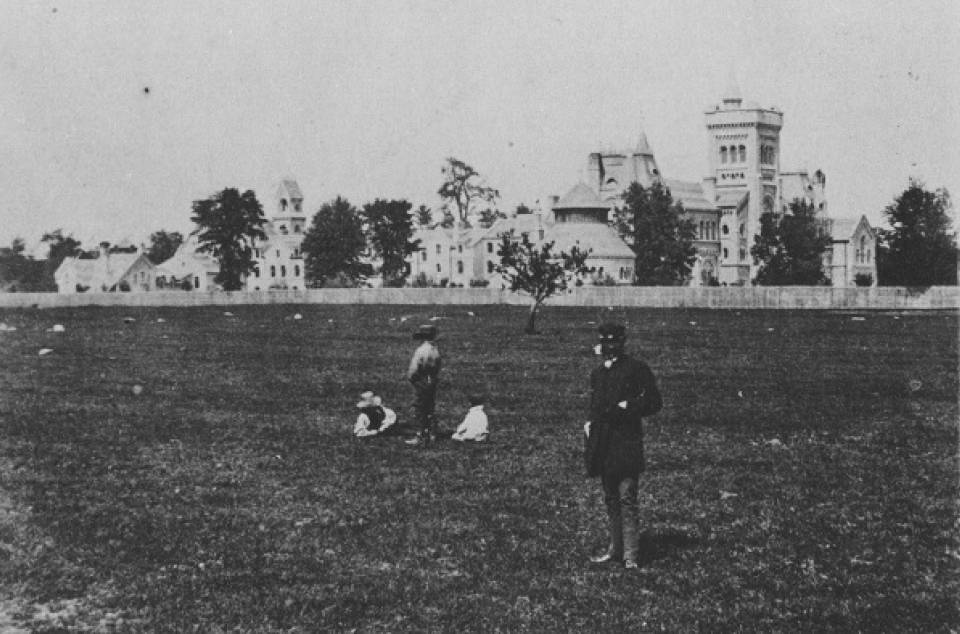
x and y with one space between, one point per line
189 269
852 255
106 271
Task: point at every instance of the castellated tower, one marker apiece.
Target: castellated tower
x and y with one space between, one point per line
744 158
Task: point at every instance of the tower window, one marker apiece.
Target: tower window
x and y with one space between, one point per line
296 270
723 153
725 229
743 154
459 266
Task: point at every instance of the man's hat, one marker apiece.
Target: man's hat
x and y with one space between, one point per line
426 331
611 330
367 399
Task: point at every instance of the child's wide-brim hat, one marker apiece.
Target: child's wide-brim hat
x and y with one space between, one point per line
367 399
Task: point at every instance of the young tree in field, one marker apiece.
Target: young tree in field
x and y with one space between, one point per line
918 249
537 270
163 244
334 245
389 229
424 216
659 233
464 188
228 225
790 247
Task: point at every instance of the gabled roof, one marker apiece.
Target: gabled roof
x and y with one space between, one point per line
732 198
844 228
105 270
290 187
689 194
603 240
581 196
643 146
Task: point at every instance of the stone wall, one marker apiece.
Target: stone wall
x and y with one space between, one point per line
766 297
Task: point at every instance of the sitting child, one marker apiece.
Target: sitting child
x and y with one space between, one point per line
374 419
475 425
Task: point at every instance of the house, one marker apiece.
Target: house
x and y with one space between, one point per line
852 256
106 270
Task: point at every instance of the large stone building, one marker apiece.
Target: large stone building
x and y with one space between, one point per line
744 181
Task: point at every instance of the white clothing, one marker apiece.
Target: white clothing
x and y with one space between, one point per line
474 426
362 426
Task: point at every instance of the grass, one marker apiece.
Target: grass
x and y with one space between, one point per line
802 475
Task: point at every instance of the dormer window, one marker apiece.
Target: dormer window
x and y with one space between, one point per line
283 204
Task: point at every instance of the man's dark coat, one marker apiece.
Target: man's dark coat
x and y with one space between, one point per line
614 446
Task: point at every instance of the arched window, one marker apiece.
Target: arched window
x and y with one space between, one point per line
459 266
438 249
489 247
702 235
863 249
283 270
283 204
273 271
725 229
723 153
868 255
726 254
439 268
296 270
743 154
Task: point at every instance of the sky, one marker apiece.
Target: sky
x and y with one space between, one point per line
115 116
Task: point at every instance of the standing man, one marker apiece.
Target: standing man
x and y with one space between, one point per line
424 374
622 390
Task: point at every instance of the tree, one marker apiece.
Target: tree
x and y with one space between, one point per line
334 244
424 216
660 234
463 187
389 229
228 225
522 209
163 245
489 216
918 249
790 247
60 247
537 270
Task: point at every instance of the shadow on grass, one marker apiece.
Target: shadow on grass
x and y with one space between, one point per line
657 545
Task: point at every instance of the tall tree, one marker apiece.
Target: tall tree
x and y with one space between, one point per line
60 247
537 270
659 233
228 225
790 247
489 216
463 187
389 229
919 249
163 244
424 216
334 244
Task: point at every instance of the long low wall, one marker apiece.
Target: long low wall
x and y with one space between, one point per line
765 297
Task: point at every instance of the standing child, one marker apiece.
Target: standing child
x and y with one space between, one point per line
475 425
424 375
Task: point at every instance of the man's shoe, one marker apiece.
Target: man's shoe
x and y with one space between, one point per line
605 558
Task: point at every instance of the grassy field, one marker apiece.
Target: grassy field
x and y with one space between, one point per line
803 475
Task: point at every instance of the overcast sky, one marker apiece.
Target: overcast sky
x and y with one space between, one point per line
117 114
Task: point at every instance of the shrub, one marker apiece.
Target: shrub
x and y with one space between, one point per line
421 281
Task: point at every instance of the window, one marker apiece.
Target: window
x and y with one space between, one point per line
726 254
489 266
278 253
862 251
743 154
702 232
273 271
283 270
438 268
423 252
743 229
283 204
196 281
438 249
743 254
459 248
256 253
296 228
283 229
725 229
489 247
723 153
459 266
256 271
296 270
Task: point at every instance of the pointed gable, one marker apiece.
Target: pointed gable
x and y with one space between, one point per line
581 196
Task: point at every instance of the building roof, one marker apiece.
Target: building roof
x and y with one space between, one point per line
291 187
643 146
602 240
732 198
581 196
689 194
98 272
843 228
